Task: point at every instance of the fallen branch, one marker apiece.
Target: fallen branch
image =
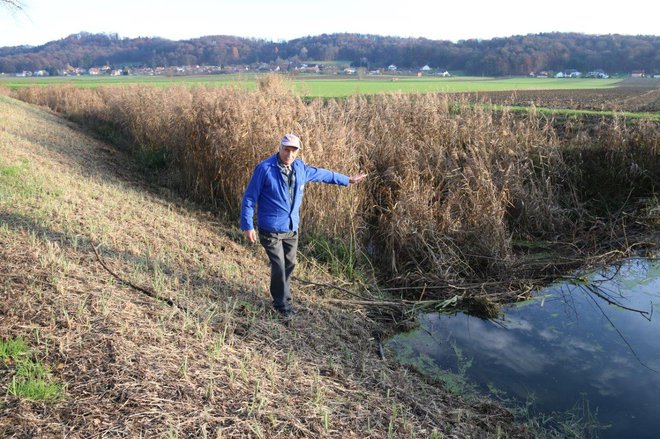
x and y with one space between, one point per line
399 303
327 285
170 301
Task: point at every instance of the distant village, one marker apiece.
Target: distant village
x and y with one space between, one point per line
319 68
293 68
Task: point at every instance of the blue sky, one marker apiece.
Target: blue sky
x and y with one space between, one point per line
41 21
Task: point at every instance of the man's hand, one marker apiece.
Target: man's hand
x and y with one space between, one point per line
356 178
250 235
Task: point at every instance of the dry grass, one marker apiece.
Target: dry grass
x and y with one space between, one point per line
134 367
452 185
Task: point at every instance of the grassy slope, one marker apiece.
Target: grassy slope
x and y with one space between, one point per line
133 366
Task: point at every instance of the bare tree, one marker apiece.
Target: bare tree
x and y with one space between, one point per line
11 4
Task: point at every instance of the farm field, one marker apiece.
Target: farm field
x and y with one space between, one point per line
345 87
638 98
629 95
333 86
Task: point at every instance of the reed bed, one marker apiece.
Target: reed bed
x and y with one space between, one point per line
452 186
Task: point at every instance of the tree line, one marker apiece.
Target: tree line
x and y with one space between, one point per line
515 55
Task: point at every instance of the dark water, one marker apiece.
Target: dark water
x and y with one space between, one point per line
569 349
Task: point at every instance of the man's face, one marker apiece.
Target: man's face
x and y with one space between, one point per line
288 154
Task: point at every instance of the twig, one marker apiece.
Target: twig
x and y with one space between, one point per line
170 301
370 302
593 289
344 290
397 303
621 335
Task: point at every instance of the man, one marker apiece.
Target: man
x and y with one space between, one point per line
277 187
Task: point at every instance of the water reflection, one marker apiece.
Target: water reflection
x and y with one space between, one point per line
571 340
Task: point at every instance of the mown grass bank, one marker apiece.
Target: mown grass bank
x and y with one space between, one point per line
131 366
452 187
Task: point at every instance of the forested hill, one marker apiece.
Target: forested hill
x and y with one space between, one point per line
516 55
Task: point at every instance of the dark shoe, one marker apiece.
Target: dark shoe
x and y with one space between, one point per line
287 313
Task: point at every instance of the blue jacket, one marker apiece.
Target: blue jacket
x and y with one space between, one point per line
268 190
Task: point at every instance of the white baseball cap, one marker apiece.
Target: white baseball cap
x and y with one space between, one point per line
291 140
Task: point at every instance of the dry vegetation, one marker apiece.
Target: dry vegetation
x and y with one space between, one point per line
131 366
453 187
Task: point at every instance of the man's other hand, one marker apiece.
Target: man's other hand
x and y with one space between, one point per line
250 235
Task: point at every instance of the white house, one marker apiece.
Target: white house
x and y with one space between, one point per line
570 73
598 73
391 68
426 68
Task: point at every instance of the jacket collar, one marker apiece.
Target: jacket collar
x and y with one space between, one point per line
275 161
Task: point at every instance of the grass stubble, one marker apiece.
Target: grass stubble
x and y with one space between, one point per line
132 366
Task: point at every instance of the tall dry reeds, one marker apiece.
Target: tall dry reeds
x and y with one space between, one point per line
450 183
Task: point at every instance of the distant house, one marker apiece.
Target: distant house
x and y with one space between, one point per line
598 73
391 68
349 71
637 74
426 68
93 71
569 73
311 69
443 72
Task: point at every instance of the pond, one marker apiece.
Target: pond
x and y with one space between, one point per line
588 348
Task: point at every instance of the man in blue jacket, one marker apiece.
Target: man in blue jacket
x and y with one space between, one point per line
277 187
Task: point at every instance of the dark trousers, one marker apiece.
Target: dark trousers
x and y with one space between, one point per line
281 249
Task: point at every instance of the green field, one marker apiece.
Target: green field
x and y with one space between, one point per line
333 86
345 87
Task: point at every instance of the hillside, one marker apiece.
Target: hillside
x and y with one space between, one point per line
515 55
129 365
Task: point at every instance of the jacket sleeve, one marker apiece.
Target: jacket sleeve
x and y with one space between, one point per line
250 198
325 176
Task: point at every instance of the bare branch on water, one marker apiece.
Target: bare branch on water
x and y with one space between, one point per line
632 350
